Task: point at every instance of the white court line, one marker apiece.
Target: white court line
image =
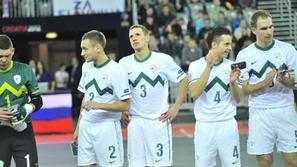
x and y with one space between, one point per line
183 131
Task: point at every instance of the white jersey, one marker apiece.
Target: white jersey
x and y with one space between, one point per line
106 83
259 62
148 80
216 102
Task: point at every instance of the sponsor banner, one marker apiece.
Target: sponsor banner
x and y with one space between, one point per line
83 7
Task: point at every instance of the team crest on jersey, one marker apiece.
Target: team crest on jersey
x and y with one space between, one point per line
278 55
154 67
17 79
104 78
226 72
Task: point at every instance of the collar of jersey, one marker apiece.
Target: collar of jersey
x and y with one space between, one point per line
216 63
149 55
8 68
101 65
265 49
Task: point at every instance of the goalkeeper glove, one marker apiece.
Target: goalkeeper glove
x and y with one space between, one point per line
20 113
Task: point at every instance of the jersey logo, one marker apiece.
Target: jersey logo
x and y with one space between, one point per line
148 79
17 79
6 86
99 91
262 71
214 81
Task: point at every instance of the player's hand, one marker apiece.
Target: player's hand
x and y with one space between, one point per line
125 117
170 114
234 75
76 131
212 57
5 115
90 105
270 76
19 114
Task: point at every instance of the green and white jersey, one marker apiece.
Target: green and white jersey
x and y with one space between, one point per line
259 62
216 102
148 80
17 82
106 83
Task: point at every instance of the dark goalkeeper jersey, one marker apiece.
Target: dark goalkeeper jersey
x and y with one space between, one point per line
17 82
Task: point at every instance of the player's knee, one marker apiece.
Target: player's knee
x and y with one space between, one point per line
292 163
264 161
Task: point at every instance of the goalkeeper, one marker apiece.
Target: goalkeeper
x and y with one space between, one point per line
17 84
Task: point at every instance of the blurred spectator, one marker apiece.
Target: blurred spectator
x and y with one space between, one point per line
165 16
43 75
190 53
61 78
222 21
32 64
214 9
200 23
206 28
74 71
172 47
236 21
170 6
203 43
242 30
142 10
247 3
196 9
152 26
112 56
153 43
181 6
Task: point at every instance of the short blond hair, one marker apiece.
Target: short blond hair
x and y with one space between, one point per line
96 37
257 14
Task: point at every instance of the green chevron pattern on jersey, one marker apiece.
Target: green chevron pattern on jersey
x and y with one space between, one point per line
100 92
214 81
148 79
262 71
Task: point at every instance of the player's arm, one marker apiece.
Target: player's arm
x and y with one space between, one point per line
182 91
251 88
287 80
197 88
236 91
122 105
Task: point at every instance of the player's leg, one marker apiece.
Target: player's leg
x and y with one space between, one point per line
136 148
229 153
108 144
86 155
6 145
158 143
24 148
290 159
287 134
205 146
262 135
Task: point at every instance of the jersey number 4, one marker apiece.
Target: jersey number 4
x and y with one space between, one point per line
217 97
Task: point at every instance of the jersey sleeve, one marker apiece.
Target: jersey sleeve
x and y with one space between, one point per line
81 85
244 73
32 84
292 63
120 84
194 72
173 71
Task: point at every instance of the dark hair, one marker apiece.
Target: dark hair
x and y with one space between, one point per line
215 34
143 28
5 42
259 13
96 37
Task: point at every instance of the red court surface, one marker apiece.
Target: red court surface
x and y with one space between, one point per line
178 130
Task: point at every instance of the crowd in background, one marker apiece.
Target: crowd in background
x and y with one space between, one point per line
180 27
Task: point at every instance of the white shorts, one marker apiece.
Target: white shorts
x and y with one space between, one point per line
149 143
217 137
269 127
100 143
